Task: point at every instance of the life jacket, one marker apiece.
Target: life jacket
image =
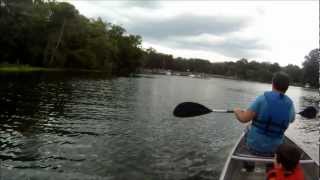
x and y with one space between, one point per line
274 120
278 173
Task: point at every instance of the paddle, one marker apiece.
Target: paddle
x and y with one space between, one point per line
309 112
191 109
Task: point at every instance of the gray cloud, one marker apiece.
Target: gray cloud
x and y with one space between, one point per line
238 48
232 47
141 3
171 31
186 24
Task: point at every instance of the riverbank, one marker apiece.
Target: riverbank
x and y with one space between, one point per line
204 75
21 68
26 68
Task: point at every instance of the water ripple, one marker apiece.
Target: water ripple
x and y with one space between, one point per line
60 126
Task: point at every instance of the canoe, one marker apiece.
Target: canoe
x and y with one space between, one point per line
233 167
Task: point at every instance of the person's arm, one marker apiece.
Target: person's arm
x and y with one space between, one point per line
244 116
292 114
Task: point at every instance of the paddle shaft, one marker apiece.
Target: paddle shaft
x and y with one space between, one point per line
231 111
222 111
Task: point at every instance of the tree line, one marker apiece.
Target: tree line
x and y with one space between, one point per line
241 69
54 34
46 33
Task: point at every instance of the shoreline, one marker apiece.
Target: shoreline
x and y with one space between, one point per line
4 68
204 75
20 68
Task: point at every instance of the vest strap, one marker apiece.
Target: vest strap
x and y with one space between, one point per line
266 130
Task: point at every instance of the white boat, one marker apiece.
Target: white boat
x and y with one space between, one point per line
233 167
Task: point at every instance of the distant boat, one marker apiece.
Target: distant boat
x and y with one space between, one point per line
307 85
168 73
192 75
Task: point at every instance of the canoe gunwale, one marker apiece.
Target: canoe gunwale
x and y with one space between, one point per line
225 167
317 162
266 159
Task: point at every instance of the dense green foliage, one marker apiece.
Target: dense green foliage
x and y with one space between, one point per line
242 69
311 68
52 34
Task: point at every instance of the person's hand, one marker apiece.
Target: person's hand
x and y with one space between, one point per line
243 116
237 110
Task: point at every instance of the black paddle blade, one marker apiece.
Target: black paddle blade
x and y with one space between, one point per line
310 112
190 109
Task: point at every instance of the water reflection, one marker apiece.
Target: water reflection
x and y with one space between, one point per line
27 106
88 126
31 104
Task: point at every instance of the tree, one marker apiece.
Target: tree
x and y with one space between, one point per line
294 72
54 34
311 68
61 15
14 21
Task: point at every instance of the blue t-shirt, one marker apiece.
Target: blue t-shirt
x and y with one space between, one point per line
259 142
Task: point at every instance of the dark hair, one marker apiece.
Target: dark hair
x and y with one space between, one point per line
280 81
288 156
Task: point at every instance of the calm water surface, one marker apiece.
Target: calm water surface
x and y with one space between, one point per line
65 126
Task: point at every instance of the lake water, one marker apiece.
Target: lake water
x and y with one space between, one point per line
81 126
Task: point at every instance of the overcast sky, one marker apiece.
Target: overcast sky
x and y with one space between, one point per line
274 31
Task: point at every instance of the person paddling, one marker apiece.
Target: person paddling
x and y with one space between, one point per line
286 164
270 115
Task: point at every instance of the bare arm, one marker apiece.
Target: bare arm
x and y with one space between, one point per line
244 116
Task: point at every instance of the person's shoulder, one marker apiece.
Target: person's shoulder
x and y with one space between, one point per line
268 94
263 95
288 99
257 103
260 98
